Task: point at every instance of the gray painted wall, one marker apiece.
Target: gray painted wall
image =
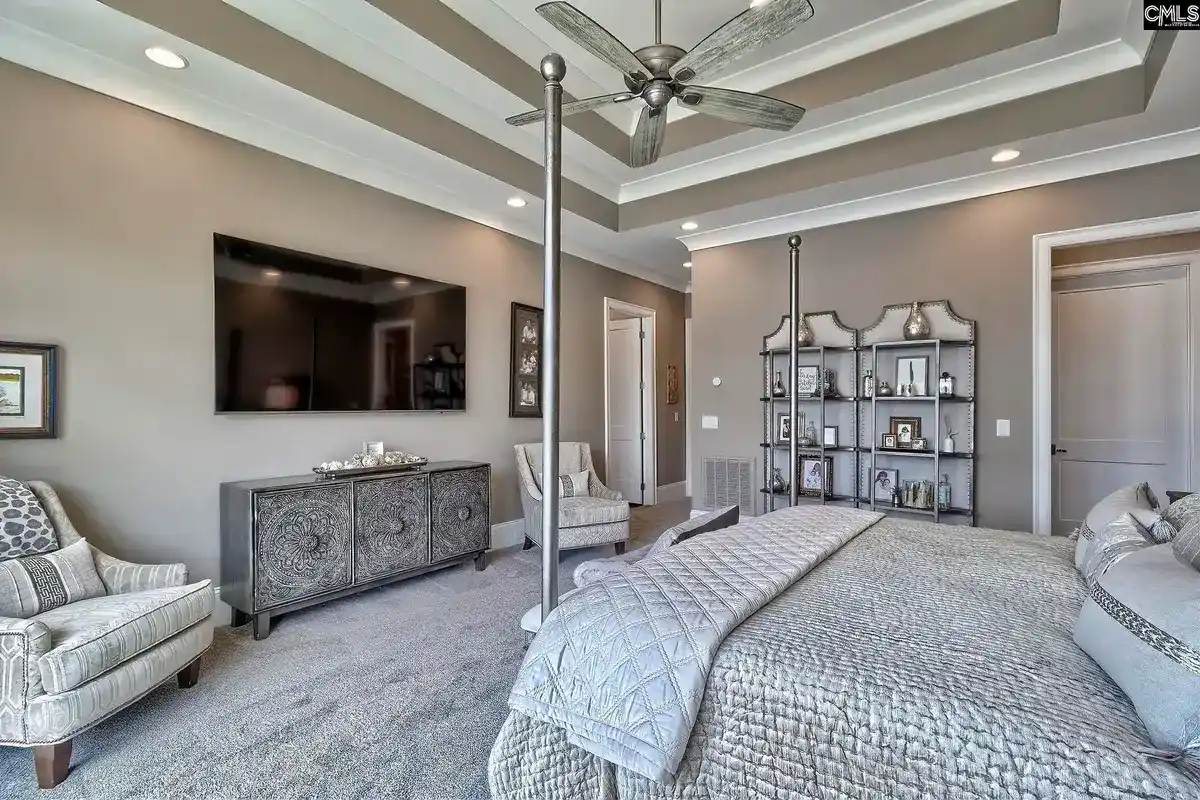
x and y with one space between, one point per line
106 222
977 254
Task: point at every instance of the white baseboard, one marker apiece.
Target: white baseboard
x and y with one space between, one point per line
672 491
508 534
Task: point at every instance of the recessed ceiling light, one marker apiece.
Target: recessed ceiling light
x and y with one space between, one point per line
401 282
1005 155
166 58
690 226
687 264
272 273
517 202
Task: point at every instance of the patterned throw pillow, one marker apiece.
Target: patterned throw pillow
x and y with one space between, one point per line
1122 536
1187 544
33 584
574 484
1183 512
1136 500
25 530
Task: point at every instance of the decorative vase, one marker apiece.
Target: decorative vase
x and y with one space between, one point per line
804 332
868 389
943 493
948 443
916 326
778 389
884 389
831 389
778 484
946 385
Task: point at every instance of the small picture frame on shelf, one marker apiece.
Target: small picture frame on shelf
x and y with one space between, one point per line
913 372
816 476
830 437
783 428
373 448
889 441
885 484
906 429
808 381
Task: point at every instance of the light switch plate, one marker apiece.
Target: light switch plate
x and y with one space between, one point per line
710 422
1003 428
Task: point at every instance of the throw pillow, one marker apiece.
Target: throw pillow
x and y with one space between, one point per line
1187 544
33 584
1122 536
705 523
574 484
1134 500
1183 512
1141 624
25 530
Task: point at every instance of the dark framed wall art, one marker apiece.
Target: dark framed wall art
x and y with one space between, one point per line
525 364
28 390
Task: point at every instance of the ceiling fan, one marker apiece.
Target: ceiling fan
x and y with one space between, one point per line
661 72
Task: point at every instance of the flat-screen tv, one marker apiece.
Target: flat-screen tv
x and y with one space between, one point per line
299 332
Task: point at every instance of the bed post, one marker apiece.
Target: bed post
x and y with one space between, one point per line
794 353
554 69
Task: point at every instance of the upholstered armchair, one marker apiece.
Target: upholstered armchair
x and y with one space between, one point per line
64 670
602 517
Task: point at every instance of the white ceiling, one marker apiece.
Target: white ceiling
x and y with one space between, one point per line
89 43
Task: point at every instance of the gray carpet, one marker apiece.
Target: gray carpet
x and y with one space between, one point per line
395 693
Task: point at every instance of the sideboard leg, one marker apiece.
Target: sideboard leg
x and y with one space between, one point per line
528 543
480 561
262 626
239 618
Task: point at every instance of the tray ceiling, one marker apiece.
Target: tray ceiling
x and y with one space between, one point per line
410 96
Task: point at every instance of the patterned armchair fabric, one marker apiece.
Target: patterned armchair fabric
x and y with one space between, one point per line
602 518
64 670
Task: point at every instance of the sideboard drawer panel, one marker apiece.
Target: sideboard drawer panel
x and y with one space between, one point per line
460 502
391 528
302 544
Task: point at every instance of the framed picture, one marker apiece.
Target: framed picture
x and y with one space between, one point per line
906 429
889 441
808 381
913 371
28 390
830 436
886 481
373 448
816 476
783 428
525 363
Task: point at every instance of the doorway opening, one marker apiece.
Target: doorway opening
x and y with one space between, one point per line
630 452
392 371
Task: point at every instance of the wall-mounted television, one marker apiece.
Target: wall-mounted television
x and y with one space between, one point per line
298 332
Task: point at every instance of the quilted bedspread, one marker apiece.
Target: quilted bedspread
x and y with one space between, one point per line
918 662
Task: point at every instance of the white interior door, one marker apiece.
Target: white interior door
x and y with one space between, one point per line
1122 373
626 450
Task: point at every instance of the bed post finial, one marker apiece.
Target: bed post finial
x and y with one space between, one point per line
794 241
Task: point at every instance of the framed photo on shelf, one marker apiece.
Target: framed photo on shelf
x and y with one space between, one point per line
783 428
816 476
913 371
885 482
906 430
808 381
525 373
889 441
28 391
831 436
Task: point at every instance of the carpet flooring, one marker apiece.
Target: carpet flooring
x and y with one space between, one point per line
395 693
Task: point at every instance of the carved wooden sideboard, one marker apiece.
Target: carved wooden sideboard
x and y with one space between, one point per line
287 543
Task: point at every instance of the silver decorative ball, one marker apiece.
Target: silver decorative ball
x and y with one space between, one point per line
794 240
554 68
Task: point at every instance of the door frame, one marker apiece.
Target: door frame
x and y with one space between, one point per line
1043 296
378 367
649 420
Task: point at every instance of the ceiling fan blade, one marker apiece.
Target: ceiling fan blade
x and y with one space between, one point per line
588 34
573 107
743 108
648 138
748 31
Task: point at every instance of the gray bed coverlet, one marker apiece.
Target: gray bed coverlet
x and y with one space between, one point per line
920 662
622 664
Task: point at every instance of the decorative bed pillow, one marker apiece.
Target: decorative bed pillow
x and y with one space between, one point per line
1187 544
1122 536
33 584
1141 624
1136 500
25 530
1183 512
574 484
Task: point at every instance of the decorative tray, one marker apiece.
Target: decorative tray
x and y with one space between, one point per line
352 471
371 464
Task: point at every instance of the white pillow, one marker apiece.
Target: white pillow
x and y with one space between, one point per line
573 484
1136 500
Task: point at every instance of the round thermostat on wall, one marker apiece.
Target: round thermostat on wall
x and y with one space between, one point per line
716 381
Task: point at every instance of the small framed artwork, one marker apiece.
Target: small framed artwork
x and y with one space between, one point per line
28 391
808 381
906 429
830 437
373 448
783 428
885 483
816 476
524 381
889 441
913 372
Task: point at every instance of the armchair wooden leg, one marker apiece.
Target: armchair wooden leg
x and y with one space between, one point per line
51 762
528 543
620 548
189 674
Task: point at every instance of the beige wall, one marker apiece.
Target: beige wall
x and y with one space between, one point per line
977 254
106 222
